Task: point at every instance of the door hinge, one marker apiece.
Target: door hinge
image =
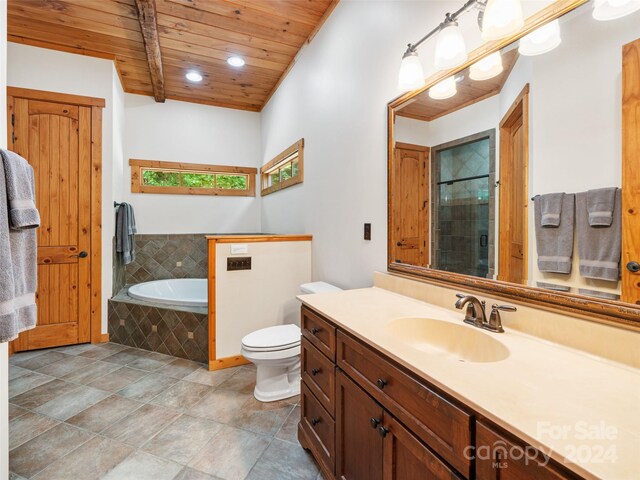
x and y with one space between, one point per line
13 119
13 138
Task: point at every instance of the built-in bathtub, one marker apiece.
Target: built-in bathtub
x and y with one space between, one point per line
176 291
166 316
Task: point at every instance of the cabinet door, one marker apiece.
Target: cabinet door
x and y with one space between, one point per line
358 442
501 459
407 458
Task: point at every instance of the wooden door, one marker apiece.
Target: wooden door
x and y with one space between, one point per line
513 219
358 439
407 458
630 172
410 204
56 139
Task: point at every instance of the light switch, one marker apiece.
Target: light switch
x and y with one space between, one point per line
239 249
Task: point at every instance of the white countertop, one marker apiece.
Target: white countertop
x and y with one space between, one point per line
582 410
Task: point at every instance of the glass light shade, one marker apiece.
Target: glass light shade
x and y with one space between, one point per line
193 76
486 68
451 50
541 40
501 18
444 89
613 9
411 75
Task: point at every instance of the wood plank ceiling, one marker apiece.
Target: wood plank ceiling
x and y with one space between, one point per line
423 107
192 35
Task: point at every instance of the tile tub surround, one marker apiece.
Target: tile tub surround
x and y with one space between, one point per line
171 420
157 258
171 331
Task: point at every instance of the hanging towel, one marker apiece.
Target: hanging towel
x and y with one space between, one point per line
555 245
18 247
599 248
551 205
20 191
600 204
125 233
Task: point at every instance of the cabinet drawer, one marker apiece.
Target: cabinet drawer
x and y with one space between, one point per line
319 332
493 462
318 372
437 422
319 428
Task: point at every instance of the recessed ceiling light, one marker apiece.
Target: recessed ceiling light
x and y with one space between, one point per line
236 61
193 76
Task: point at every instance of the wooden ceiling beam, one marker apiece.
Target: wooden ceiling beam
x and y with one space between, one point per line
149 27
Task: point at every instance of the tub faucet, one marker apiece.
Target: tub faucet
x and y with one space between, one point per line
475 314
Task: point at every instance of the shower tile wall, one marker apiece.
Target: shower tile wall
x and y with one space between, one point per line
463 211
158 256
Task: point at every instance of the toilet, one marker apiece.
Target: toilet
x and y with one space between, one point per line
275 351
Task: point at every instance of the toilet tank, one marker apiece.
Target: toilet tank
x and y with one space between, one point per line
318 287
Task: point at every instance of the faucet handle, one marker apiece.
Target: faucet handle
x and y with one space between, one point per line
504 308
495 322
460 295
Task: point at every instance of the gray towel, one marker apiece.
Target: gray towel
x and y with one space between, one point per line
125 233
553 286
551 205
555 245
20 191
599 248
18 259
600 204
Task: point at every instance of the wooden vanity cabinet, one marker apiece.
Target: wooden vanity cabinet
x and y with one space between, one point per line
499 458
365 418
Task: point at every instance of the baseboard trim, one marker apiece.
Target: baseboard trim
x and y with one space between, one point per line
104 338
227 362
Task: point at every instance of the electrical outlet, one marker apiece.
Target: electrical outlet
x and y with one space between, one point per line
367 231
178 264
238 263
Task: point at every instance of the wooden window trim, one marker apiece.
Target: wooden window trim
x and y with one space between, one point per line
298 148
137 186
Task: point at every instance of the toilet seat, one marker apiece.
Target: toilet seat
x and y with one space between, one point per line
272 339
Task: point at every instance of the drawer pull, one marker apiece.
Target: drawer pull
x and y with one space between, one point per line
383 431
374 422
315 421
315 371
314 330
381 382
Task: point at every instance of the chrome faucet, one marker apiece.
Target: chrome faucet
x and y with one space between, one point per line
475 314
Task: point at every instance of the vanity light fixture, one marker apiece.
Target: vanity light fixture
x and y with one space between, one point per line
613 9
541 40
411 75
486 68
236 61
193 76
501 18
444 89
451 50
496 19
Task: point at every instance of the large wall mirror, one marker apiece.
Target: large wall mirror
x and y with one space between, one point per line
519 173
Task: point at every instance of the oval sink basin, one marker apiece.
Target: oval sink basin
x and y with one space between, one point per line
458 342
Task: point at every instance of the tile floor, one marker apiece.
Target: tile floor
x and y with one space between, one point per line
118 413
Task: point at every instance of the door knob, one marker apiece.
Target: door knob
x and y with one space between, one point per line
383 431
315 371
381 383
82 254
633 267
315 421
374 422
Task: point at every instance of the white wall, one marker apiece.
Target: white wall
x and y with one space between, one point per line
42 69
4 351
192 133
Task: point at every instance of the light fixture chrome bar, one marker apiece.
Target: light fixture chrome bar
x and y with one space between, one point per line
449 17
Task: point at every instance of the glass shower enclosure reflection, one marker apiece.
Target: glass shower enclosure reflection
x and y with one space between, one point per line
462 197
